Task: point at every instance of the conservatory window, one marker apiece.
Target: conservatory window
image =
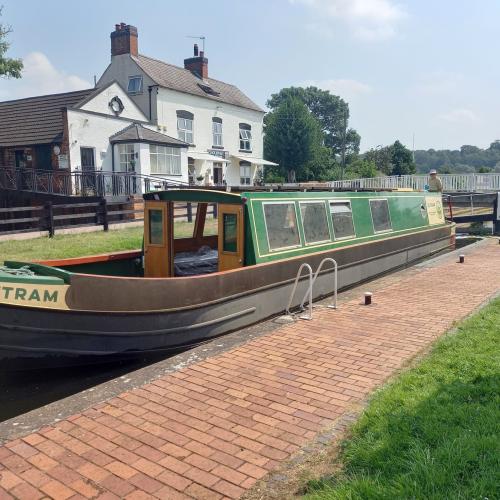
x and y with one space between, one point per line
165 160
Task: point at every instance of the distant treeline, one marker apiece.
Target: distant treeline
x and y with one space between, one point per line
467 159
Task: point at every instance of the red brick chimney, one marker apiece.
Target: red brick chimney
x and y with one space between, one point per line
198 65
124 40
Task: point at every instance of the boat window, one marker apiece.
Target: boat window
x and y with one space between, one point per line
281 225
314 221
341 213
156 227
380 215
230 236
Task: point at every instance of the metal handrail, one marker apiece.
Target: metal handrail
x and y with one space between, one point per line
335 282
299 272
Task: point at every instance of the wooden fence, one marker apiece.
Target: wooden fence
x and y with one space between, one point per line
51 217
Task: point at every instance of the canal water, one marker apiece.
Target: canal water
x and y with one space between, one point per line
21 392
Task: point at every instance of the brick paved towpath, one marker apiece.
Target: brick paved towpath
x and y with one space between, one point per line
214 428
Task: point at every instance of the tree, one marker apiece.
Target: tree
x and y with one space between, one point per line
292 139
8 67
330 110
402 160
382 157
361 168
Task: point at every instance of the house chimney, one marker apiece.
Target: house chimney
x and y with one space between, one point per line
198 65
124 40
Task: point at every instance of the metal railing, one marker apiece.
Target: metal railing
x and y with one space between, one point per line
309 292
451 182
333 305
82 183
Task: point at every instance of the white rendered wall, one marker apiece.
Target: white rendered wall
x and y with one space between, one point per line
100 104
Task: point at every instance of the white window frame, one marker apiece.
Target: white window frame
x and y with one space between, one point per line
332 202
327 213
388 211
133 78
184 133
217 133
282 202
249 177
126 155
172 160
245 139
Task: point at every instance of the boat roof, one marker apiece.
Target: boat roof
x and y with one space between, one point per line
196 195
202 195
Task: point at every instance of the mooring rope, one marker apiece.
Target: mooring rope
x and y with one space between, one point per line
21 271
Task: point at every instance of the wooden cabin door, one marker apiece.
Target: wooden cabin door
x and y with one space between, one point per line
158 239
231 237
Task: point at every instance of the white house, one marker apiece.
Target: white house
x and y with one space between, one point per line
107 131
223 127
100 129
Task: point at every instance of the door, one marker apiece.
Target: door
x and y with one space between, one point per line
231 237
43 156
158 239
87 160
218 174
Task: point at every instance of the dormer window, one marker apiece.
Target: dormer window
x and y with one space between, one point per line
217 132
208 90
134 85
245 137
185 126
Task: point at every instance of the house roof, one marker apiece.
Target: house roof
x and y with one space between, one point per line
36 120
180 79
138 133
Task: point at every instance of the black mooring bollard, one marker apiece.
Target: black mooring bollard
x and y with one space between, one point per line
461 258
368 298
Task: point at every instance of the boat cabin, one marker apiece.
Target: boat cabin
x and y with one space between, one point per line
257 227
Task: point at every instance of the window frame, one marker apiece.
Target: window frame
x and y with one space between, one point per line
388 211
280 249
141 86
335 238
327 213
248 165
245 129
163 150
129 154
217 123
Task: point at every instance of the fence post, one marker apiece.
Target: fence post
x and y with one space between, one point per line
496 216
50 218
190 212
104 207
215 210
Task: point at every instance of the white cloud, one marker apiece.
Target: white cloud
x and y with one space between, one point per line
40 77
459 115
439 83
347 89
367 19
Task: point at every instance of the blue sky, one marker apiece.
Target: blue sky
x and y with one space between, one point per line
422 67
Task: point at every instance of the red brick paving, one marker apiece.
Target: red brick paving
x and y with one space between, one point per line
212 429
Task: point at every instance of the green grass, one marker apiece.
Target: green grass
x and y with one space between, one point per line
77 245
434 433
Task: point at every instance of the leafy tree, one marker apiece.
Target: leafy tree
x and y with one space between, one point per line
292 139
361 167
332 113
382 157
402 160
8 67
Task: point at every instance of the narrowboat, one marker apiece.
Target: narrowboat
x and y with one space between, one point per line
229 273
